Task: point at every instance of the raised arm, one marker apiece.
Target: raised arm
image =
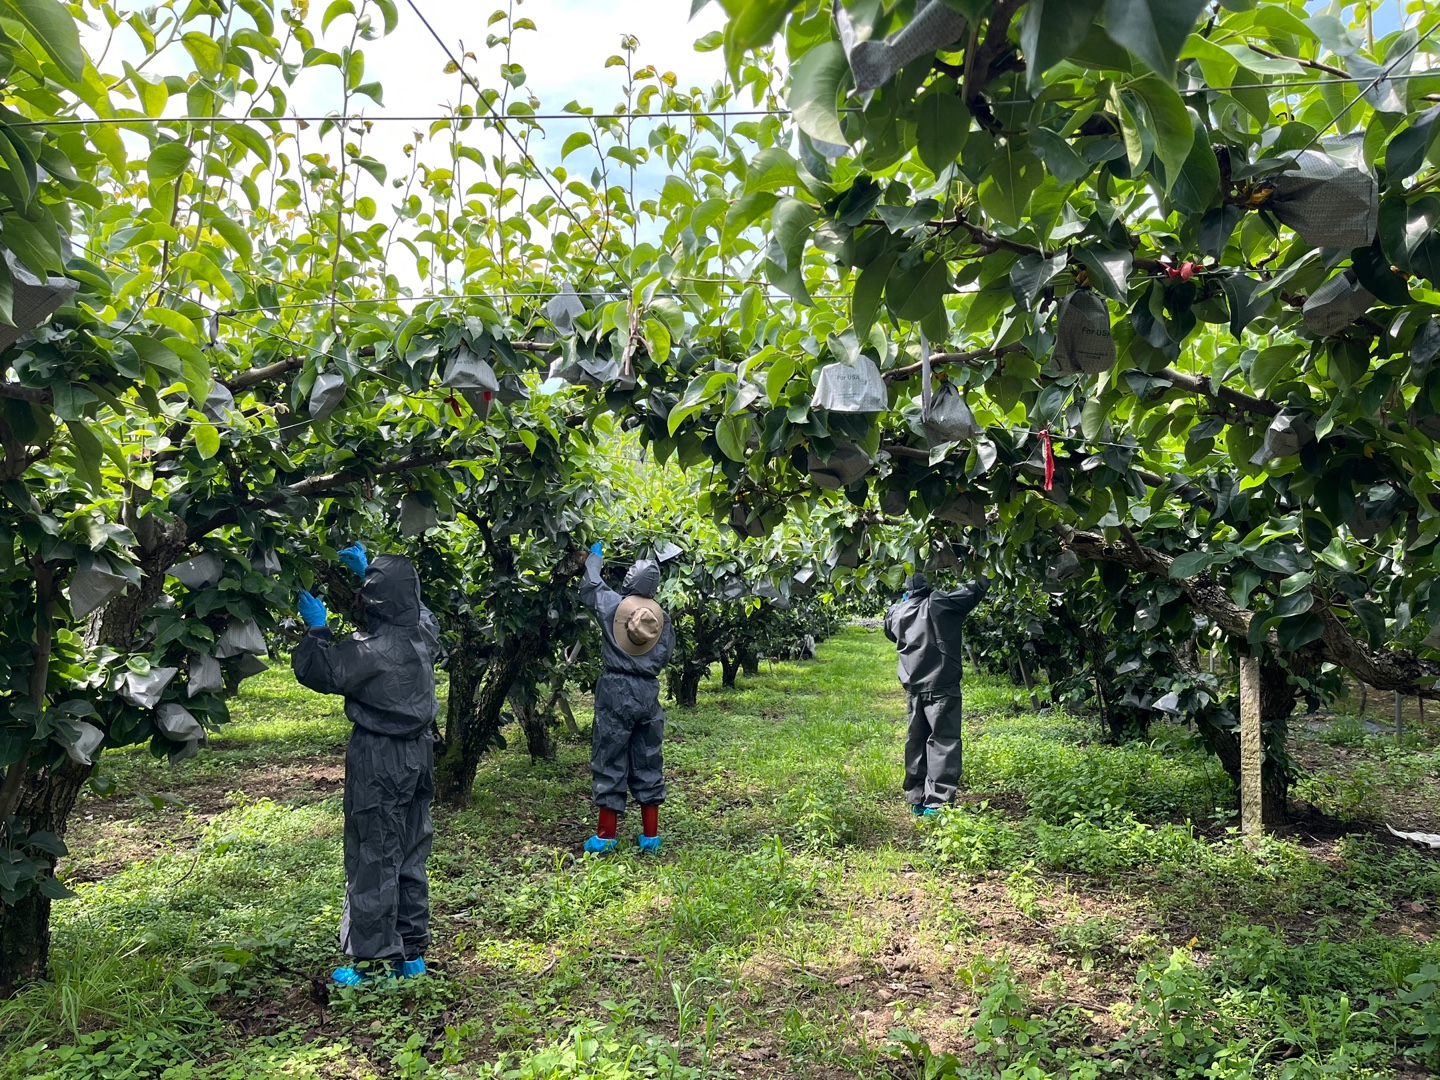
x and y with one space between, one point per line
964 599
592 585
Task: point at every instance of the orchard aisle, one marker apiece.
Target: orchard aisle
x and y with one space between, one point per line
797 917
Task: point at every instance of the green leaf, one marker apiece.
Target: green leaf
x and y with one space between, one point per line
207 440
167 161
1008 182
771 169
1192 563
1060 157
88 454
869 286
1051 30
1406 151
574 141
54 29
1271 364
36 247
1153 30
1373 270
733 435
1248 299
790 223
1170 124
916 291
391 14
334 11
1299 631
205 51
1030 275
753 25
779 374
942 124
1109 270
1197 186
815 90
231 230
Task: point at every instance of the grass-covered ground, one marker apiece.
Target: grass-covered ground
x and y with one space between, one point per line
1086 911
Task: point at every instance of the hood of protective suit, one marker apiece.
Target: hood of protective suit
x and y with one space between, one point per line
643 579
917 584
391 593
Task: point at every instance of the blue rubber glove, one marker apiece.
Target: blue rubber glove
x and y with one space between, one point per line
597 548
904 597
312 611
354 557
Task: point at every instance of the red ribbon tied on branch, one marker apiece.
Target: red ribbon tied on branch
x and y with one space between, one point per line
1049 460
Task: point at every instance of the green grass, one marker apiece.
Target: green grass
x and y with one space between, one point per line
1083 911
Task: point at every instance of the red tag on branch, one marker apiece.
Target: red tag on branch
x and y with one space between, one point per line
455 405
1049 460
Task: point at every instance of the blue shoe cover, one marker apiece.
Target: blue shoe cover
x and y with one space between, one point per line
917 809
410 969
649 845
596 846
930 810
349 976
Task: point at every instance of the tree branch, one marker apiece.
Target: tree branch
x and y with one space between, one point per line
19 392
1384 669
995 43
940 359
1222 394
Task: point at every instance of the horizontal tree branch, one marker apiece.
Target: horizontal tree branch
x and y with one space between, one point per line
974 357
1314 65
18 392
1222 394
1383 668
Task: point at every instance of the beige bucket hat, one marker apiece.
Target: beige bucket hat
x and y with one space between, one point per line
639 621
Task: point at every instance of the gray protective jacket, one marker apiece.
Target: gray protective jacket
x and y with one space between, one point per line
387 674
642 580
926 631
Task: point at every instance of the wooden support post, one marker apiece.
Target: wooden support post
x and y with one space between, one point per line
1252 753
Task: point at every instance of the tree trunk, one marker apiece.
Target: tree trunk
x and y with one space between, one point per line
455 772
684 684
45 806
750 662
479 726
729 668
533 722
47 796
465 665
559 700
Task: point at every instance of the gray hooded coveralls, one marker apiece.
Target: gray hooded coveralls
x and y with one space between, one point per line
926 631
625 741
387 676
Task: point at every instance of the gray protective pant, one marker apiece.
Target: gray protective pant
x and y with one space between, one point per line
932 749
389 785
625 742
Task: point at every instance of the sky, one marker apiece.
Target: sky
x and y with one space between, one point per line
564 61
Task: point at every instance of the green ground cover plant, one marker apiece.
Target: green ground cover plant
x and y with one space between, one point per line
799 923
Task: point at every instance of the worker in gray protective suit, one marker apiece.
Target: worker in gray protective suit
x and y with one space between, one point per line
625 752
387 676
925 627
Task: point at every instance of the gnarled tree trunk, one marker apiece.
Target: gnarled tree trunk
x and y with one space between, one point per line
45 805
684 683
479 726
46 797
